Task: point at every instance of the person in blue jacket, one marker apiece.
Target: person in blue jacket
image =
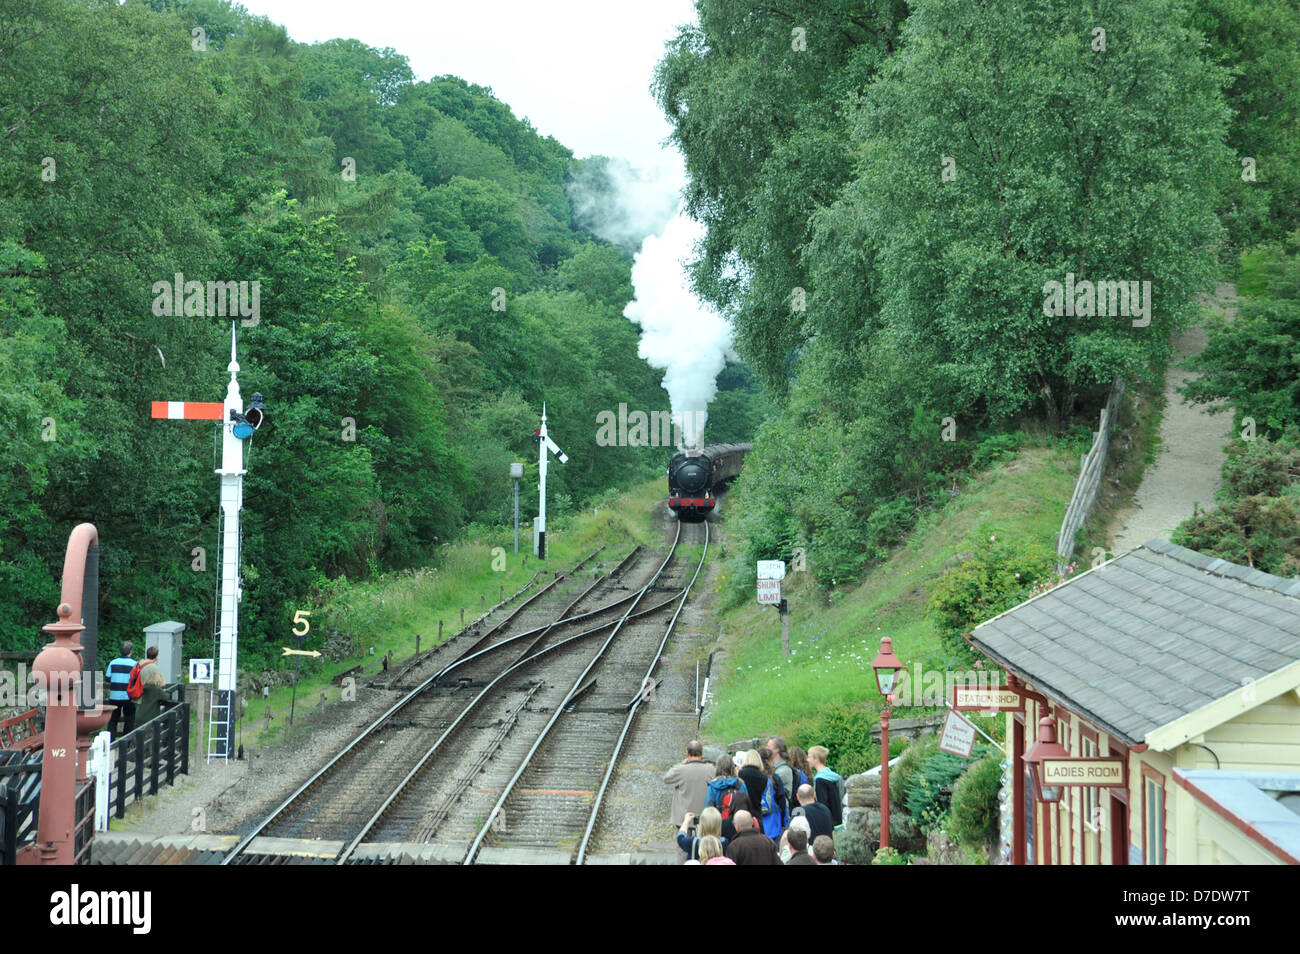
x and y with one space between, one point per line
119 674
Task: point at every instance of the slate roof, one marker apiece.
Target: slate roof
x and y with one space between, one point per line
1149 636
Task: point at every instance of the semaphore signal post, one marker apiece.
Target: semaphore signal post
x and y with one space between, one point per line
544 444
237 427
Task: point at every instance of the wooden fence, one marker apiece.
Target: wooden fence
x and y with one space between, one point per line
1088 485
157 751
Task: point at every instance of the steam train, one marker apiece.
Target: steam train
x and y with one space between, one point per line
695 476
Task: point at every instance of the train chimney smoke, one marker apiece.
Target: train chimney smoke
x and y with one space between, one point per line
679 334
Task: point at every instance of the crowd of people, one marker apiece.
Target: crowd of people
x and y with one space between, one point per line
773 805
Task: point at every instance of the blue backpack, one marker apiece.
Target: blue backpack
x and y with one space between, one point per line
773 813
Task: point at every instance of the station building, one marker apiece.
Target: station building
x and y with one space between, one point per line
1185 670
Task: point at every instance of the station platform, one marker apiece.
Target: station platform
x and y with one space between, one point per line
125 848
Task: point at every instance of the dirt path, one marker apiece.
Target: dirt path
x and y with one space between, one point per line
1188 469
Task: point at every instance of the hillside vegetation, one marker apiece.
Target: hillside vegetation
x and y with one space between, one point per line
423 289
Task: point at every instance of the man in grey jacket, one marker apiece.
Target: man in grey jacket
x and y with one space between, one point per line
689 780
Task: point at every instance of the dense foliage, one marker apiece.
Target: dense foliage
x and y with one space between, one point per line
423 290
891 188
1253 362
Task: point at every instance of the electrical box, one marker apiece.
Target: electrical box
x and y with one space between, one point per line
516 471
537 535
167 637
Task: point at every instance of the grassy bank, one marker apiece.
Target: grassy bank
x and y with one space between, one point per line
825 689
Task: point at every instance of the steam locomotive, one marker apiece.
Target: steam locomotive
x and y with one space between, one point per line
694 477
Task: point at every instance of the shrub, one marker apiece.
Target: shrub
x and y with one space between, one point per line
1000 574
901 775
888 856
974 814
1256 531
929 790
846 731
925 781
993 449
1263 467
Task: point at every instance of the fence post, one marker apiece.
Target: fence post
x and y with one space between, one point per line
170 717
120 779
185 739
137 738
101 757
155 755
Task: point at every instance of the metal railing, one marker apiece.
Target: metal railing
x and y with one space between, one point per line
20 793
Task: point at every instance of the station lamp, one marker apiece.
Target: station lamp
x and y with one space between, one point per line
1046 747
887 667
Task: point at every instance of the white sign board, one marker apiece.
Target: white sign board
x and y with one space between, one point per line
769 592
201 670
771 569
958 736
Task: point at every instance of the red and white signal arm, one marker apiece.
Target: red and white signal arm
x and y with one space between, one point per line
769 592
187 410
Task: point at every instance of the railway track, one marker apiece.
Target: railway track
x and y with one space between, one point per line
423 770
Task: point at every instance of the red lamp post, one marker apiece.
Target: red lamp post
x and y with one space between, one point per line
1045 747
887 667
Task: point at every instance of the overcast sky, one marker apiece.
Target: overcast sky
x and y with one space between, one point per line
579 70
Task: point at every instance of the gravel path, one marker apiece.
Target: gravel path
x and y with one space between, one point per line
636 816
1189 468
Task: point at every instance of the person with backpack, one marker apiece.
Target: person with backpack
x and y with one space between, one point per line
772 808
724 789
828 784
784 773
119 673
801 772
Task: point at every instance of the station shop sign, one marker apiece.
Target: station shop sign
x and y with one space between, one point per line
986 699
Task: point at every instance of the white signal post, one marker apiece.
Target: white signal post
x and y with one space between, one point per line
230 415
544 444
232 501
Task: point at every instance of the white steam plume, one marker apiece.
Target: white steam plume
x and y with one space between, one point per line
623 204
688 340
